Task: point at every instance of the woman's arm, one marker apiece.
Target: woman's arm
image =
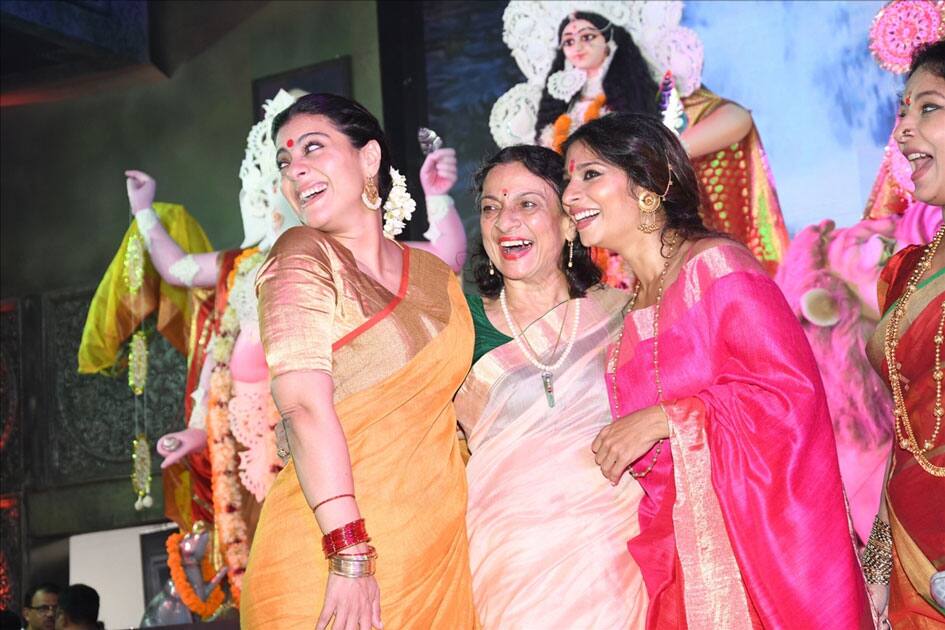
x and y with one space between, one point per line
722 128
323 465
446 236
175 266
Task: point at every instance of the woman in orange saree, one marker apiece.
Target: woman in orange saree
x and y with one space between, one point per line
906 549
366 341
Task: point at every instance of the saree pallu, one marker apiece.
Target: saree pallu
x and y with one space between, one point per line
547 532
743 523
396 362
914 498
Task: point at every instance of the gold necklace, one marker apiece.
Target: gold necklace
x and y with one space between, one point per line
905 434
612 364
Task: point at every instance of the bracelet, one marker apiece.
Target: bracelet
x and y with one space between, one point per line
877 557
321 503
353 567
346 536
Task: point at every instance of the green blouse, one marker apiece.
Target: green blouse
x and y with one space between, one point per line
488 337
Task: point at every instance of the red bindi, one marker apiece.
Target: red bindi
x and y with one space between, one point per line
289 143
571 167
908 100
505 192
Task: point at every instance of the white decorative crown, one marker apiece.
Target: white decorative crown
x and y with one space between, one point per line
260 196
531 33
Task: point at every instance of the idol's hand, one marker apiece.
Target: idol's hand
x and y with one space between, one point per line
174 447
141 187
627 439
438 173
355 603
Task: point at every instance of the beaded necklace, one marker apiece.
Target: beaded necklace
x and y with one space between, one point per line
905 434
612 365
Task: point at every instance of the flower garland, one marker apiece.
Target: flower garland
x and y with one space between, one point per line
202 607
133 266
562 126
399 206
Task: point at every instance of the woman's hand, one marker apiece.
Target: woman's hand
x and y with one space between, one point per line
355 603
438 173
141 187
174 447
625 441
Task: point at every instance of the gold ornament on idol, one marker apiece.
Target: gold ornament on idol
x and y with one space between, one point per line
649 202
612 364
905 433
370 195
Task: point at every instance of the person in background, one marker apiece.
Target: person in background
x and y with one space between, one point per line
78 608
40 605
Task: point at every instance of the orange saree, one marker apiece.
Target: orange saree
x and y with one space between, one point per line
396 361
914 497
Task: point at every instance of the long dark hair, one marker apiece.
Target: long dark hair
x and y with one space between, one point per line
350 118
650 154
627 85
549 166
930 57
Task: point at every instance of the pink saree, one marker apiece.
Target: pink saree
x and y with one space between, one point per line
743 522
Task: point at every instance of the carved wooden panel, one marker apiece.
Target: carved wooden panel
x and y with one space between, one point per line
91 419
11 551
11 394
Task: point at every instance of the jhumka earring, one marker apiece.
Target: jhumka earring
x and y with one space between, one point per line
370 195
649 202
571 254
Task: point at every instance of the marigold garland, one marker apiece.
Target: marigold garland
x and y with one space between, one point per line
203 608
562 126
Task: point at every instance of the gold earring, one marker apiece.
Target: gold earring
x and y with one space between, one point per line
370 196
649 202
571 254
491 269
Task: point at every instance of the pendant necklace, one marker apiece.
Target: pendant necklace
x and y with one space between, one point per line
547 371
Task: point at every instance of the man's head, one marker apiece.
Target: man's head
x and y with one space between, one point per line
40 605
78 608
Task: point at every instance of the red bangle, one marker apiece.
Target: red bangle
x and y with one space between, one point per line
346 536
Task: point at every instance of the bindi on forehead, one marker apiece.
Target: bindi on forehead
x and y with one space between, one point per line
505 192
290 142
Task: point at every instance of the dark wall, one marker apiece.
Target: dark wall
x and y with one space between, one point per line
63 207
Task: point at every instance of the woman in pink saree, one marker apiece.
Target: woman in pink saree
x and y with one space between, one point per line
721 414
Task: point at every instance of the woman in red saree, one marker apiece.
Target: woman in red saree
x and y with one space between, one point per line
907 351
721 414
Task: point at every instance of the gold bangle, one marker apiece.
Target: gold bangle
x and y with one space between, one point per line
350 567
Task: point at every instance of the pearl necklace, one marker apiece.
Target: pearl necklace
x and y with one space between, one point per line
547 371
612 364
905 434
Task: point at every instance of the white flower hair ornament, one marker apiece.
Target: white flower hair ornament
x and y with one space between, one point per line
530 29
399 206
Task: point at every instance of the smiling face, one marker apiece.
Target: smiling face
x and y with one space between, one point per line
523 226
323 174
598 197
584 45
920 133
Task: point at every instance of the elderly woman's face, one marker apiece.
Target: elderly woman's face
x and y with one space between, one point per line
584 45
598 198
920 133
323 174
523 226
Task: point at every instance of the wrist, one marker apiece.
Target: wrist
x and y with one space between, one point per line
659 423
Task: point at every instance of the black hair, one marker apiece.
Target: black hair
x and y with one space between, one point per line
45 587
929 57
627 84
549 166
650 155
350 118
80 603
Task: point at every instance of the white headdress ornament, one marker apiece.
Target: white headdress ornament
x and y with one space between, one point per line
531 33
399 206
260 196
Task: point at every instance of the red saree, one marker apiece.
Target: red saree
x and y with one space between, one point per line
914 497
743 523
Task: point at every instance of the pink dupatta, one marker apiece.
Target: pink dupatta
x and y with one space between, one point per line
743 523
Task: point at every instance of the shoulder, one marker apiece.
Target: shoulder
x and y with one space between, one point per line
718 256
425 265
303 241
895 275
608 298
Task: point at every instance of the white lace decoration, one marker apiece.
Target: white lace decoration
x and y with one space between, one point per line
198 415
438 206
399 206
531 33
243 294
146 220
185 269
564 84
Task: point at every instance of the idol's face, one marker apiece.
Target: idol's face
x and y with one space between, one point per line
323 174
523 226
598 198
920 133
583 45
